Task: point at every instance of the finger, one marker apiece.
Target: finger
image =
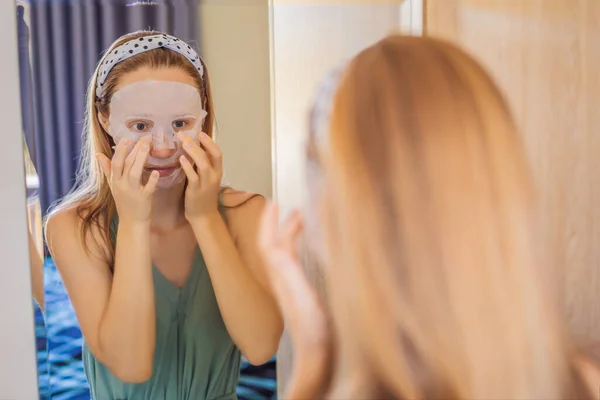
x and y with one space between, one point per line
189 170
292 226
204 168
135 174
130 160
288 236
150 187
203 165
291 231
198 155
118 160
213 150
268 226
104 164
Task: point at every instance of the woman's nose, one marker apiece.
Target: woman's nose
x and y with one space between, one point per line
163 152
160 146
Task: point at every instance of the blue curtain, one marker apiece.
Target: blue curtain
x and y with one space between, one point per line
67 40
26 81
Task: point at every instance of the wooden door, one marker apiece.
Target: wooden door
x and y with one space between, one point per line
545 54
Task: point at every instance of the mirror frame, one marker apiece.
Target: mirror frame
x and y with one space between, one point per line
18 366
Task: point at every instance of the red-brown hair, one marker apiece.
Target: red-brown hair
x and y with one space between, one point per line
435 270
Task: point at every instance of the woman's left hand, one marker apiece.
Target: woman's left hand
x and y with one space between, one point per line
204 181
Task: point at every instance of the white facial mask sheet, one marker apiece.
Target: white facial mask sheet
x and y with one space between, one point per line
159 109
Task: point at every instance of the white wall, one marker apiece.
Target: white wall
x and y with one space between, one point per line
234 40
18 368
308 40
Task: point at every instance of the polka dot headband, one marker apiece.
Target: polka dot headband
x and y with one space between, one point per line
141 45
323 103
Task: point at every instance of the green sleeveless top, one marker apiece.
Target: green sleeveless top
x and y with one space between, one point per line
195 358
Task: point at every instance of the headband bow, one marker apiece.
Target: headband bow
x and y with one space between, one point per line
141 45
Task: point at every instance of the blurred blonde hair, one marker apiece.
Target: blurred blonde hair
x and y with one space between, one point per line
91 195
433 261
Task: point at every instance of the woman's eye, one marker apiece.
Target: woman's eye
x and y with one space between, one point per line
140 126
179 124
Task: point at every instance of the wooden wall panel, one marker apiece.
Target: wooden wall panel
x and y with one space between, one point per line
545 54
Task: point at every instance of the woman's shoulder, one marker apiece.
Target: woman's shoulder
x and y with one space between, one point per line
232 199
64 229
242 209
587 364
63 221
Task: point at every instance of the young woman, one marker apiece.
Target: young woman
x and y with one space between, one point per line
419 186
159 261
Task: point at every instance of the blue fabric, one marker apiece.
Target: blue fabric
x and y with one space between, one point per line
64 362
26 79
42 352
67 379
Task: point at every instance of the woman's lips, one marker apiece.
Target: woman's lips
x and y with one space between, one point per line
163 170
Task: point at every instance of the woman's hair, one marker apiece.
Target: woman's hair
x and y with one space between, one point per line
434 263
91 195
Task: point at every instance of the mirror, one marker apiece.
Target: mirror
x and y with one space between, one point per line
60 44
250 48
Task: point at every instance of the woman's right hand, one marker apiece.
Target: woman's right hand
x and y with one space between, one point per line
124 176
305 317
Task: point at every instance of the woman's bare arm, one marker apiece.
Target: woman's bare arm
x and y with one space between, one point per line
235 267
588 364
37 272
116 313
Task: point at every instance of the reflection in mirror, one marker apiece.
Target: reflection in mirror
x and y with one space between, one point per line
34 214
36 249
168 297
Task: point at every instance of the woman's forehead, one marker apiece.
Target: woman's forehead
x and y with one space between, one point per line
154 97
166 74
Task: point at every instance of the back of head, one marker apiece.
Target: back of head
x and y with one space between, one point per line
434 268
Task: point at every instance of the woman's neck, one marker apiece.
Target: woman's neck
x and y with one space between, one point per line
168 208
